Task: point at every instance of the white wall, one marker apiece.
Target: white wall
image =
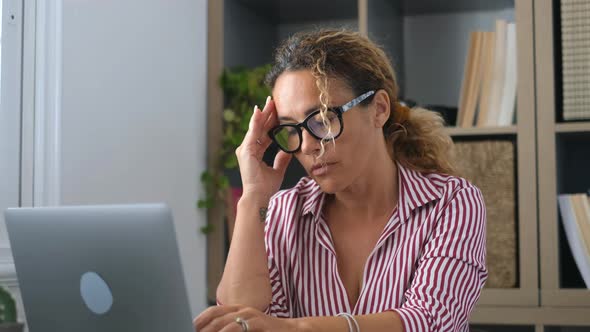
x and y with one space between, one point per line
133 112
10 117
10 143
119 111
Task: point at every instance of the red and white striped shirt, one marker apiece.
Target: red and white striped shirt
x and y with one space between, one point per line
428 265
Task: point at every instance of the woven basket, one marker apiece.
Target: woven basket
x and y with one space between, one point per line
490 165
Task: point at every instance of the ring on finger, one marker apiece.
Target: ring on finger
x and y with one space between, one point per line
243 324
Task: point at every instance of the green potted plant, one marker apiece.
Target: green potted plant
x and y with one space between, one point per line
242 88
8 313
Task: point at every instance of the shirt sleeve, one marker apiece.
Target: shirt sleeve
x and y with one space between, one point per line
451 271
276 251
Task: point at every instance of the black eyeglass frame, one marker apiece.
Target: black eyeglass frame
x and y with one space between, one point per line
303 124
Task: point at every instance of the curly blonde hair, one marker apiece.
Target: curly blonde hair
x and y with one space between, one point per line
416 136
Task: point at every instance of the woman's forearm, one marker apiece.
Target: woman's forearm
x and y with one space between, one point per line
245 279
384 321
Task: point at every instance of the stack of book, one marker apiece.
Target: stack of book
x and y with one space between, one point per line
488 90
575 59
575 216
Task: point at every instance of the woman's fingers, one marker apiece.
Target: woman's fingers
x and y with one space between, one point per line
267 105
256 123
211 313
270 122
217 319
256 129
281 161
252 323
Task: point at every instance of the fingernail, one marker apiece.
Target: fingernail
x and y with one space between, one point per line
255 108
267 100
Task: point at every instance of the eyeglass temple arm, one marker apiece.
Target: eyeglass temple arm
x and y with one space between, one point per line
357 101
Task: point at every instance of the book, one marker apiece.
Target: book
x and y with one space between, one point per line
486 84
471 81
580 202
498 74
571 221
508 95
488 89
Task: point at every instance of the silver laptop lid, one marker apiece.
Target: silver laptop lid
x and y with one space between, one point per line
69 259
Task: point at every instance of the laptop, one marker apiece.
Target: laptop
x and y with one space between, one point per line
99 268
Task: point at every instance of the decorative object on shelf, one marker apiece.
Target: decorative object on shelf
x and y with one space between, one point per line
8 313
575 59
243 88
490 165
575 216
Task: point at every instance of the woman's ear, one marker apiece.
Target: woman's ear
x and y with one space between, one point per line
382 108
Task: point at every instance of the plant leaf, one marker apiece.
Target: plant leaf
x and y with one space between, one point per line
206 177
207 229
231 162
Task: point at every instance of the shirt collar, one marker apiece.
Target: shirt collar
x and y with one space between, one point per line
314 200
416 190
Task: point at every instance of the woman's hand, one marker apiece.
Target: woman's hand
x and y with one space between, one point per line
225 319
257 177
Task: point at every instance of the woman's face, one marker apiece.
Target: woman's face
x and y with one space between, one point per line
296 95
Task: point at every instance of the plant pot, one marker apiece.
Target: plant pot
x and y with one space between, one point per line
12 327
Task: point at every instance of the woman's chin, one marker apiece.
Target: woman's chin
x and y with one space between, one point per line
328 184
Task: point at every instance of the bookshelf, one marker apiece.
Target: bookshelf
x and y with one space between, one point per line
562 165
428 41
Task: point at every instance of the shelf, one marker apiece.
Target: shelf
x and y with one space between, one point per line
572 127
514 315
491 297
412 7
481 131
406 28
501 328
573 162
428 79
288 11
252 29
566 328
567 298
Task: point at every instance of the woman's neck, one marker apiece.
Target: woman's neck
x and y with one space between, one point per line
373 195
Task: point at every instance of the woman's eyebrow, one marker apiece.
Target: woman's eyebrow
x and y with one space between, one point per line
305 114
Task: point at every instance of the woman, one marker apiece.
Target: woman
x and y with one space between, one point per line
381 236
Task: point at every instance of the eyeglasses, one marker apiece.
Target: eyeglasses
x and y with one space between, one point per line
290 136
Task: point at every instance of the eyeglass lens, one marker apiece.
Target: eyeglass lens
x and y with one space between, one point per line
289 138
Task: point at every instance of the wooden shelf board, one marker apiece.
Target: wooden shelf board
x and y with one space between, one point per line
566 298
531 315
510 297
410 7
288 11
572 127
481 131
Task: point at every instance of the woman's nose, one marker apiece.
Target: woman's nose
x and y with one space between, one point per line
309 144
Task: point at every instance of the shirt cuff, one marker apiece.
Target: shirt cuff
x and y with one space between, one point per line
414 319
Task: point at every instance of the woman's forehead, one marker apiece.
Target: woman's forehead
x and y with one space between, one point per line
295 93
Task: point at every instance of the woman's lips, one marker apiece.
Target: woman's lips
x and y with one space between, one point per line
321 169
